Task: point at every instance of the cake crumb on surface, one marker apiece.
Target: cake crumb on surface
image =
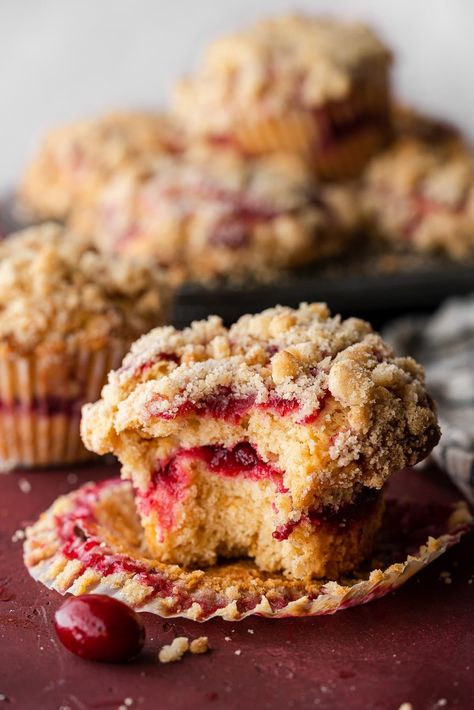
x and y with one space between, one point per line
238 652
175 650
18 535
199 645
406 706
24 485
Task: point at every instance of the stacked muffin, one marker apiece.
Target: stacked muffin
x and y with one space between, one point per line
232 182
315 86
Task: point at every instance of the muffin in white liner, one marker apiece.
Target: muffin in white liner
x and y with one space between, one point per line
90 541
67 316
312 85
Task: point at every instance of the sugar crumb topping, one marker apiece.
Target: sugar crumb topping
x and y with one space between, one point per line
300 355
264 65
423 194
57 291
75 158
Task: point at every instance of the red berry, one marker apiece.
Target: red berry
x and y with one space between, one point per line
99 628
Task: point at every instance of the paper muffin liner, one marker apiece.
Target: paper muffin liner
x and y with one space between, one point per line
304 131
40 403
90 541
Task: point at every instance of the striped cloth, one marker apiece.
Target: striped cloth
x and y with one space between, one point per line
444 344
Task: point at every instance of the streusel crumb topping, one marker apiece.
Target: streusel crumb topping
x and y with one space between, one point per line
216 212
56 292
423 195
276 64
301 357
75 158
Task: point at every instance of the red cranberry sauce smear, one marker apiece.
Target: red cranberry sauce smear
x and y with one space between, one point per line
148 364
168 486
225 404
77 532
331 515
99 628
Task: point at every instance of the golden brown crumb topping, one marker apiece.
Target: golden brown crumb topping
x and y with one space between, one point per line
214 211
423 196
274 65
281 355
74 159
56 292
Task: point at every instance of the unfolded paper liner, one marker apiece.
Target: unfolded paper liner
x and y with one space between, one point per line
90 541
39 420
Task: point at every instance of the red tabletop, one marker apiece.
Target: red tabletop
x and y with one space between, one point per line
414 646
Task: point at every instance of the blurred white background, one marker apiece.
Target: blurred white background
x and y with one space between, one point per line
60 59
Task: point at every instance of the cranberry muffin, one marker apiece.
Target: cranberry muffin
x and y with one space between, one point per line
419 196
216 213
67 316
272 439
317 86
74 159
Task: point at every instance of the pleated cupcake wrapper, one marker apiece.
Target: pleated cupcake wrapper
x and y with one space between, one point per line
303 131
231 591
32 436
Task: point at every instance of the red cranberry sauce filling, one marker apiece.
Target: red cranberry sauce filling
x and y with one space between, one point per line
231 407
331 515
48 406
171 480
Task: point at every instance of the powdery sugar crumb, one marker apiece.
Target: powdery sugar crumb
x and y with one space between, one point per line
174 651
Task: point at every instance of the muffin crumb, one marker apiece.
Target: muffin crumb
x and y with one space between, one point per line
175 650
199 645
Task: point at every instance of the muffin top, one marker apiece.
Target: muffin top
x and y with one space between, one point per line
76 157
58 293
205 184
291 362
214 211
275 65
443 173
422 196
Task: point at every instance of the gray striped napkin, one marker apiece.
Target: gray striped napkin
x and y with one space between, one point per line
444 344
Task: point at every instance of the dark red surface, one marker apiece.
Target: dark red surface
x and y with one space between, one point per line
415 645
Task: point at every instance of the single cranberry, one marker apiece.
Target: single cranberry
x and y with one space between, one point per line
99 628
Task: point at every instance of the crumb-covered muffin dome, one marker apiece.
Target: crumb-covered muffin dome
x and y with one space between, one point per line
319 373
421 196
275 65
74 159
215 212
57 292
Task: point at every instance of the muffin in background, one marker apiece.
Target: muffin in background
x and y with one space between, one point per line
67 317
74 159
317 86
419 196
214 212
